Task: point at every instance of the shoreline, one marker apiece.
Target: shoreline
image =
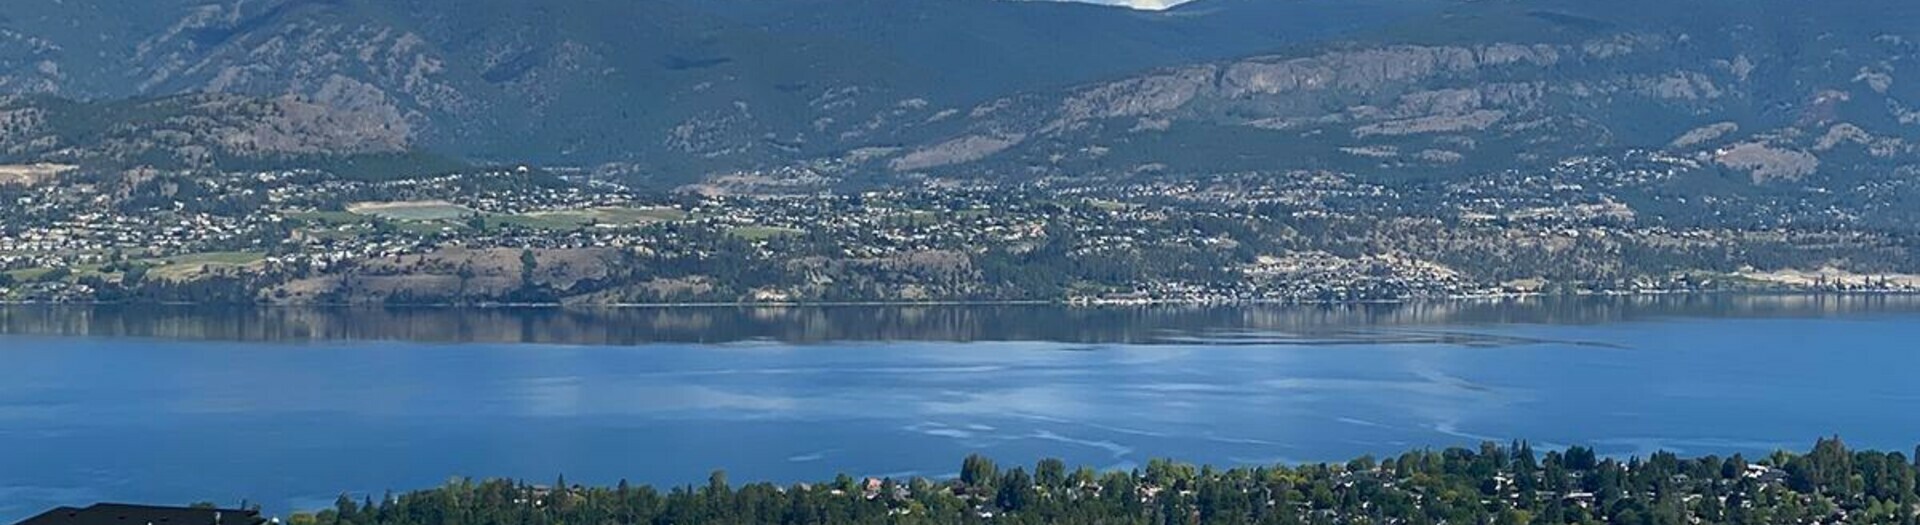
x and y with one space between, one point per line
1089 304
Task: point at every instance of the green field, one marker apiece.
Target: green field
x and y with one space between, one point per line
1107 205
75 272
761 233
229 258
423 228
411 210
570 219
30 274
328 218
182 267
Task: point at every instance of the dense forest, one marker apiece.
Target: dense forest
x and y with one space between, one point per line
1490 485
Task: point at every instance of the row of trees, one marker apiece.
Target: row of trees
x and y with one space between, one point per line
1490 485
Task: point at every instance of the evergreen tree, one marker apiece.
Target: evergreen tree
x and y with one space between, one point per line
1016 491
1420 487
1051 474
977 471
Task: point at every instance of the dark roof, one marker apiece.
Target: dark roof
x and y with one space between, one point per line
118 514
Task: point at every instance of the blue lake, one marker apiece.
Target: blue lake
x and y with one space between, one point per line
175 409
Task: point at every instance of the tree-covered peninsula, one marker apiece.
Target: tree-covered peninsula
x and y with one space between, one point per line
1490 485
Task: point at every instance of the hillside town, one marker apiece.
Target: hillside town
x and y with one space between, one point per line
523 235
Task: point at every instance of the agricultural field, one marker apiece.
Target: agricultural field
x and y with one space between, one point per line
1111 205
28 275
327 218
187 267
761 233
433 210
570 219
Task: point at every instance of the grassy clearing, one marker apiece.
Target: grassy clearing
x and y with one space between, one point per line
761 233
230 258
411 210
973 213
571 219
328 218
186 267
89 270
535 221
637 215
428 228
30 274
923 218
31 174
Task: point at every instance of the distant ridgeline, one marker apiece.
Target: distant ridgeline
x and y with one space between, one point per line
1493 484
1737 93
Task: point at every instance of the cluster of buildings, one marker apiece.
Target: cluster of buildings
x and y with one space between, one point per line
1244 237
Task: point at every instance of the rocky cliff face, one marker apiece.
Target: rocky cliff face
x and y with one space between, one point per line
1778 102
674 90
661 86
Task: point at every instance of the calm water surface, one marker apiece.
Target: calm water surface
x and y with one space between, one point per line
290 408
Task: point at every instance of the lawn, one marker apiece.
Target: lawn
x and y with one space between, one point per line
570 219
427 228
923 218
186 267
536 221
435 210
228 258
1107 205
328 218
30 274
88 270
637 215
761 233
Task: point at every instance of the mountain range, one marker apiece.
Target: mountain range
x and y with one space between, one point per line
1777 91
1757 92
662 85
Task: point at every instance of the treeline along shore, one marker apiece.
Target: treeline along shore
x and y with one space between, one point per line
1492 484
